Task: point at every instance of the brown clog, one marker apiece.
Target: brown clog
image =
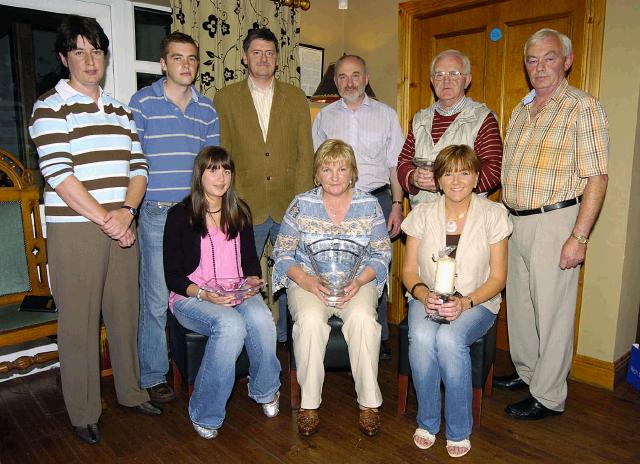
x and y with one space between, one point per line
308 421
369 421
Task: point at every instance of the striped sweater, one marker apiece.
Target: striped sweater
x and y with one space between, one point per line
98 144
171 139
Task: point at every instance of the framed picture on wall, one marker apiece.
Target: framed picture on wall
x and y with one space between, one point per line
311 65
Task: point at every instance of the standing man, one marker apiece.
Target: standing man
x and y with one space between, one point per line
174 122
373 131
554 179
454 119
95 175
266 126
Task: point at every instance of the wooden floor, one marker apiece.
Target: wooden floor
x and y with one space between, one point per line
598 427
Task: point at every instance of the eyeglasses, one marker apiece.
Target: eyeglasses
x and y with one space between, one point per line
453 75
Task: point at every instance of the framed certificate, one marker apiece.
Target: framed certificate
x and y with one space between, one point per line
311 65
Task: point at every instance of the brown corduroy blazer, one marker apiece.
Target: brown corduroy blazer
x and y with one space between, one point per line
268 175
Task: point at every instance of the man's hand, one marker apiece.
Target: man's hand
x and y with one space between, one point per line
572 254
128 239
116 223
423 179
395 219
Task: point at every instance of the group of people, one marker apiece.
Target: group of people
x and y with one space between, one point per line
209 183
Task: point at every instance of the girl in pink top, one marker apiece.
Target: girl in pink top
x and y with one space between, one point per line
208 236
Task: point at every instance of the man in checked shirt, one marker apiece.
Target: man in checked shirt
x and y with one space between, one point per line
554 179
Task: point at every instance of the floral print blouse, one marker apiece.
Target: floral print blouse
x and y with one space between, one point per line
307 221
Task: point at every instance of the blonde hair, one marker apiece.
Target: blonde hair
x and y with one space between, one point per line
334 151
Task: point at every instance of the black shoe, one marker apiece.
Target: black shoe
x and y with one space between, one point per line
385 351
87 433
530 409
509 382
148 408
161 393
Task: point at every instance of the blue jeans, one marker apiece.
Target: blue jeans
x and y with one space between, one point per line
441 352
270 229
154 296
249 324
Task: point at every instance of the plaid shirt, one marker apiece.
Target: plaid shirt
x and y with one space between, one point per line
549 157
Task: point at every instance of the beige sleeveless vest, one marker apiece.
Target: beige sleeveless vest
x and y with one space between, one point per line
463 130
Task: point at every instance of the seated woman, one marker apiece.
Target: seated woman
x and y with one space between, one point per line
334 210
479 228
209 235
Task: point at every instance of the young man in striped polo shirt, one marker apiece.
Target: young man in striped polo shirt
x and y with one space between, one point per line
174 122
90 157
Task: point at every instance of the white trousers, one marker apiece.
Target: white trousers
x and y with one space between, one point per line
311 333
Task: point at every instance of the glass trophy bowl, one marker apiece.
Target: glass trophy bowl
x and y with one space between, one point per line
423 163
237 287
335 261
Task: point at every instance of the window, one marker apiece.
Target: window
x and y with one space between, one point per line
28 68
152 24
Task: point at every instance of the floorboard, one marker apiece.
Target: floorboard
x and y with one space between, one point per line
598 427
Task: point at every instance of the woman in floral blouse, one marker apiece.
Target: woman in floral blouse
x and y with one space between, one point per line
335 209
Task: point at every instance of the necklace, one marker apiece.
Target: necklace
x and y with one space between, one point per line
452 223
213 255
214 212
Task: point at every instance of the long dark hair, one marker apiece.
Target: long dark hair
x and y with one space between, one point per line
235 214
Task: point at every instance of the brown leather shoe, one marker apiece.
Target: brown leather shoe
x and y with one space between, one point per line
308 421
369 421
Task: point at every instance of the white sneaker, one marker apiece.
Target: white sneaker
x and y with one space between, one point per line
273 408
205 432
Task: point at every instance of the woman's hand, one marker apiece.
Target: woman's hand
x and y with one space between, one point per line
432 303
256 282
452 309
313 284
349 292
222 300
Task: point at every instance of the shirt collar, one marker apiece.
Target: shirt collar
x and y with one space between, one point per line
158 89
532 95
67 92
453 109
253 88
365 102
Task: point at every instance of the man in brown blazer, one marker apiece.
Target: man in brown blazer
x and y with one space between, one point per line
266 126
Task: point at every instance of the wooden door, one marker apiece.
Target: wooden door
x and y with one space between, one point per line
493 35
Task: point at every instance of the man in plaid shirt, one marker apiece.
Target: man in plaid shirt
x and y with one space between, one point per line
554 179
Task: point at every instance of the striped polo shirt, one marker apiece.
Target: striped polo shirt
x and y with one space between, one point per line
96 143
171 139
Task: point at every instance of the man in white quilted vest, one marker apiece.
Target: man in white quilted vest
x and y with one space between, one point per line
453 120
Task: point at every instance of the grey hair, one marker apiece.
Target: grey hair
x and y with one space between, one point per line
466 63
542 34
355 57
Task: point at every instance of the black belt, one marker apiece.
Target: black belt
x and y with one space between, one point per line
384 188
547 208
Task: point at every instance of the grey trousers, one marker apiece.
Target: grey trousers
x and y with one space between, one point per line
541 303
90 275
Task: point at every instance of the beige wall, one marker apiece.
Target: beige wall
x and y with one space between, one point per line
612 280
612 277
369 28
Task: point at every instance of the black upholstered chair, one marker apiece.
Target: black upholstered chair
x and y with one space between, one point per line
483 354
187 350
336 357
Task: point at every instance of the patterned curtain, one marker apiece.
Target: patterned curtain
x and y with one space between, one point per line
220 26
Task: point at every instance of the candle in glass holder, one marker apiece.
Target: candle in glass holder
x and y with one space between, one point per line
445 275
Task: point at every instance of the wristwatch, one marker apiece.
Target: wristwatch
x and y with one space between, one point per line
581 239
132 210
